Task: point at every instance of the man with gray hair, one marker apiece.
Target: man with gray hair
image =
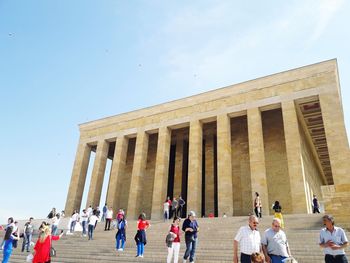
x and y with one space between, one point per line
248 238
274 243
333 241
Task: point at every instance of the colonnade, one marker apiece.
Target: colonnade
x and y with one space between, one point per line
258 173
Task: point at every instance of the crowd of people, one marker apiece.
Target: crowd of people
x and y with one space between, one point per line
272 247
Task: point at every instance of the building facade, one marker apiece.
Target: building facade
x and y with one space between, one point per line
282 136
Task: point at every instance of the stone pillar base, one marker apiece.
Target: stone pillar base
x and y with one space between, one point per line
336 202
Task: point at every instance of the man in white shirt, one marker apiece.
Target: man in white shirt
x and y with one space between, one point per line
89 211
248 238
166 206
84 218
109 216
92 223
74 219
333 240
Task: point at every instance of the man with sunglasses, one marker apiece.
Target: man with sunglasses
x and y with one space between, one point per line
275 244
248 238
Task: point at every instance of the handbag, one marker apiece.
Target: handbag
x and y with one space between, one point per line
29 258
52 252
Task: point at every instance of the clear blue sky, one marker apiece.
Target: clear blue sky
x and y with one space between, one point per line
67 62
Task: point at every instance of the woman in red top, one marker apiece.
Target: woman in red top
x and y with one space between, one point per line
42 246
140 237
175 245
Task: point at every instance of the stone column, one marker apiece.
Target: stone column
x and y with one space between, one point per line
257 158
98 173
295 166
194 192
224 166
161 172
178 166
118 165
137 175
77 183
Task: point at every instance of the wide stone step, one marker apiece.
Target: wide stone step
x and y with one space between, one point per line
215 241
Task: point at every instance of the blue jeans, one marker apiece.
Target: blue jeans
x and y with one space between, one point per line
72 226
6 257
166 215
119 238
83 225
140 248
276 259
54 230
190 249
90 231
27 238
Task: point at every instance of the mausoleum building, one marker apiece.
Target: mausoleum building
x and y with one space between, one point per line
282 136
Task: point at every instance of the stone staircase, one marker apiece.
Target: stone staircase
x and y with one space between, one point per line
215 242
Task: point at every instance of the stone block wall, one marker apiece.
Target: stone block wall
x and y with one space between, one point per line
148 180
123 194
242 192
313 176
276 160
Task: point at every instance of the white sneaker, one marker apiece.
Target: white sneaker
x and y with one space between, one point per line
184 261
141 256
120 249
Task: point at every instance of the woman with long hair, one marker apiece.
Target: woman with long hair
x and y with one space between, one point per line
140 237
121 234
8 244
278 212
43 245
173 242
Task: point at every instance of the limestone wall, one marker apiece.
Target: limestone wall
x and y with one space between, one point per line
124 189
242 192
148 180
276 159
313 177
209 131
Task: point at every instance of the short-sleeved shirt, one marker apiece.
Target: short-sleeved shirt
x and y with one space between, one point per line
28 228
84 216
55 221
337 236
75 217
276 242
166 206
176 231
174 204
142 224
92 220
249 240
109 214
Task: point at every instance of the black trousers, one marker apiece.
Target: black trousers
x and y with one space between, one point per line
335 259
108 223
245 258
257 212
316 210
